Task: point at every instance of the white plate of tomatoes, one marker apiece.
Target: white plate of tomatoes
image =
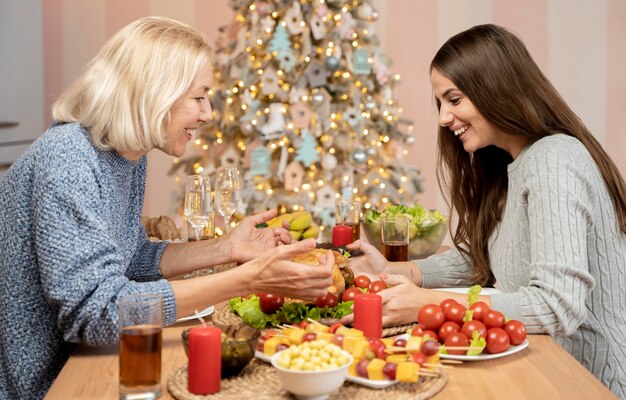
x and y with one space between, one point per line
487 356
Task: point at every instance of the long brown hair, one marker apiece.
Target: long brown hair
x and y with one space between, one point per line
493 68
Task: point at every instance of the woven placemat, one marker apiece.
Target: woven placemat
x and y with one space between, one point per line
224 316
259 381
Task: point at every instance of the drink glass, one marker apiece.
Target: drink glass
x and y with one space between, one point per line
198 206
140 325
394 236
227 193
349 213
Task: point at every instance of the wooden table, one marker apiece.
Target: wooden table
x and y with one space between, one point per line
541 371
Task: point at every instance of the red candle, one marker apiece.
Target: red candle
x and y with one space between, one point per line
368 315
342 235
205 360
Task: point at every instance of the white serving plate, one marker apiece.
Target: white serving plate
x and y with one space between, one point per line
487 356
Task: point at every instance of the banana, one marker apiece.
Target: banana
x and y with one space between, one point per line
301 222
277 222
295 235
312 231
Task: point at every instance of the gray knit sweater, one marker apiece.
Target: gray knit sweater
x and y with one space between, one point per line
559 257
71 243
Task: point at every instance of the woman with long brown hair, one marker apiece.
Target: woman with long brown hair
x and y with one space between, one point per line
541 208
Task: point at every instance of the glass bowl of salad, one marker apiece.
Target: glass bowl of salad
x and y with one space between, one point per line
427 230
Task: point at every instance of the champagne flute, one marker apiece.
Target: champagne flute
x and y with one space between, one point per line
198 207
227 193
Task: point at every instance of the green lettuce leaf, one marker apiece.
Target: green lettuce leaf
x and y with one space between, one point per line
249 309
472 295
478 344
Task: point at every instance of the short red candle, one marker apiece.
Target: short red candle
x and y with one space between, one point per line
368 315
342 235
205 360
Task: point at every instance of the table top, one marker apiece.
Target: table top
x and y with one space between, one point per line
543 370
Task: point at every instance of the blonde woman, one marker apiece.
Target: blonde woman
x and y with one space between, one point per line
71 239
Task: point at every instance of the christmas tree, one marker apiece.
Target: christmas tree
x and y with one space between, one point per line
304 106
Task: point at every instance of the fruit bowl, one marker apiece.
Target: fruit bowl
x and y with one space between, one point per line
238 345
420 246
312 385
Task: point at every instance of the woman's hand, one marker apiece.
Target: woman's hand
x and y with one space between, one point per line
247 242
274 273
371 262
401 301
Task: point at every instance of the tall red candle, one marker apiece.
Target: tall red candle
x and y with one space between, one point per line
368 315
342 235
205 360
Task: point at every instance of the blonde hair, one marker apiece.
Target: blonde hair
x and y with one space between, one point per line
125 93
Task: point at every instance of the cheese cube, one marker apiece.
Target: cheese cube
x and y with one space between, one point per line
407 372
375 369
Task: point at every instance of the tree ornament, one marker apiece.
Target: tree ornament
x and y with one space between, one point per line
275 122
307 153
361 64
358 157
294 173
329 162
260 162
332 63
410 140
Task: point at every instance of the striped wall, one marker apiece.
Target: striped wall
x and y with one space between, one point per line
580 45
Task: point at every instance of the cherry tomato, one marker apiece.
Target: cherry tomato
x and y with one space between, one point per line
454 340
516 331
493 319
378 348
309 337
480 308
351 293
338 340
430 334
446 303
455 312
447 329
302 324
362 281
431 316
270 303
470 326
497 341
334 327
418 330
330 301
377 286
419 357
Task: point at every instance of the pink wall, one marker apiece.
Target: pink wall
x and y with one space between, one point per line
578 44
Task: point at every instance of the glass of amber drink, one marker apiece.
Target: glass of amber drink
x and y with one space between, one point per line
140 324
394 237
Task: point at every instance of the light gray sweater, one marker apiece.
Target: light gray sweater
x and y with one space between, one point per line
71 243
559 257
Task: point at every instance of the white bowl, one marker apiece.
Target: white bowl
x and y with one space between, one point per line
312 385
